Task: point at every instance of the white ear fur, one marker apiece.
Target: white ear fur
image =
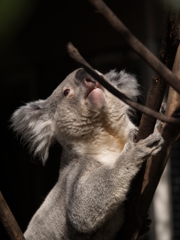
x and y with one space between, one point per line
126 83
36 127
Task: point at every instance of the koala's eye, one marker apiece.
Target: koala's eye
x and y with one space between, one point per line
66 92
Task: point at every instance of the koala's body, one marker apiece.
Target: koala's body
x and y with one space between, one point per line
99 159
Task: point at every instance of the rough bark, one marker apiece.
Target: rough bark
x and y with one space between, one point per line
170 133
170 41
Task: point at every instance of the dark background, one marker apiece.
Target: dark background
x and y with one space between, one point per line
33 62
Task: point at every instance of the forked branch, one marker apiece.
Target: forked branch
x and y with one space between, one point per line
73 52
145 183
136 45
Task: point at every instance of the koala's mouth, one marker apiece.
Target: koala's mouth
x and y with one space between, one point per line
92 85
95 93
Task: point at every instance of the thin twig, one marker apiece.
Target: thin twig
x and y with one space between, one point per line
8 221
136 45
73 52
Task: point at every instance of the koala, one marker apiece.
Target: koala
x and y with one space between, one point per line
99 160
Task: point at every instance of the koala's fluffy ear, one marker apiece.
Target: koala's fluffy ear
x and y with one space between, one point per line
126 83
34 124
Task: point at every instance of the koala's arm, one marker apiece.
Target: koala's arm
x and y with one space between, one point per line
94 200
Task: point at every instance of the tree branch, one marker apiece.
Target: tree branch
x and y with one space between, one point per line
170 133
136 45
151 172
8 221
172 52
73 52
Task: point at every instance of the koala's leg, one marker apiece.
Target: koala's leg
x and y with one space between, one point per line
95 200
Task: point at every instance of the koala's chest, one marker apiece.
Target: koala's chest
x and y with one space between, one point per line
104 150
107 157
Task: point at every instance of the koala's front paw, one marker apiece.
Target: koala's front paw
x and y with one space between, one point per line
149 146
140 151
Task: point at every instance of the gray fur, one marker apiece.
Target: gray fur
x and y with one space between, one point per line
99 160
124 81
36 127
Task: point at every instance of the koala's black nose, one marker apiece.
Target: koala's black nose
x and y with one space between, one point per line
82 75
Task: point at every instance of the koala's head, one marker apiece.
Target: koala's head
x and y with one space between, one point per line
74 111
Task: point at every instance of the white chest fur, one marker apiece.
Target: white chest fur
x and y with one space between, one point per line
104 148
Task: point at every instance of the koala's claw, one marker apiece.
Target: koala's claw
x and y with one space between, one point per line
155 143
158 147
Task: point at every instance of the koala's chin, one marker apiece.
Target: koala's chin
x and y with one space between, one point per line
96 98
